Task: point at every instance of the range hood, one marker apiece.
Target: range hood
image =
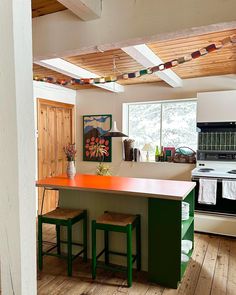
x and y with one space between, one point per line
216 126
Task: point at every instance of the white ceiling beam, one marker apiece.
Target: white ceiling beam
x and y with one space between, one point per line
84 9
147 58
128 22
64 67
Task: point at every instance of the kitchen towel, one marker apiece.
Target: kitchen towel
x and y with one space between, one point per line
207 191
229 190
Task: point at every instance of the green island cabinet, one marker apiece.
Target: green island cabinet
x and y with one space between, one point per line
163 200
166 230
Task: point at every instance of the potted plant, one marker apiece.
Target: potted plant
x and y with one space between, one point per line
103 170
70 152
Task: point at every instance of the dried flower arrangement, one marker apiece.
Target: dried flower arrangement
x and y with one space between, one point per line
70 151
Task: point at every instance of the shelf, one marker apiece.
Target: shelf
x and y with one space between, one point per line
186 224
185 264
157 163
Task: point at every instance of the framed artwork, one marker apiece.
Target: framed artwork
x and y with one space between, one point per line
94 145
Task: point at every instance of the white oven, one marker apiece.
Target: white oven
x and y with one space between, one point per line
221 217
216 122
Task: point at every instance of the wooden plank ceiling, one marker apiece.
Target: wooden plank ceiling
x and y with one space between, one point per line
43 7
216 63
220 62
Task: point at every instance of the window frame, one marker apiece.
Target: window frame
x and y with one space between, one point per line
125 111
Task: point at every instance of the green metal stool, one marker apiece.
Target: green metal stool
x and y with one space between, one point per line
117 222
62 217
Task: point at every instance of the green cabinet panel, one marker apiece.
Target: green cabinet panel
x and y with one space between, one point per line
165 233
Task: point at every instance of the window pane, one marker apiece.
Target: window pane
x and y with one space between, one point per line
144 124
179 124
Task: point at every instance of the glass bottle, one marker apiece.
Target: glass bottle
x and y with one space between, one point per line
162 154
157 154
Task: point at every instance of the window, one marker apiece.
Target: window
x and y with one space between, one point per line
171 124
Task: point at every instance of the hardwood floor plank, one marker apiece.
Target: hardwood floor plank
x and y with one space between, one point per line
191 276
140 285
44 279
207 272
221 270
105 283
168 291
155 290
137 288
211 271
109 286
231 282
51 286
70 287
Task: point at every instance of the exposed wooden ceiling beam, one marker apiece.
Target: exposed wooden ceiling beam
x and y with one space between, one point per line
71 70
147 58
84 9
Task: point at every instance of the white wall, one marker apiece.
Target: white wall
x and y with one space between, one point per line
96 101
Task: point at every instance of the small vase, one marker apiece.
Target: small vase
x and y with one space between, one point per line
71 169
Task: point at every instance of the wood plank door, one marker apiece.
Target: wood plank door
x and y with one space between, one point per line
55 130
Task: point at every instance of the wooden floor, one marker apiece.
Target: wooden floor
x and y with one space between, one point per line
212 270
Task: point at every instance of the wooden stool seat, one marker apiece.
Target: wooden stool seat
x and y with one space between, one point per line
114 218
62 213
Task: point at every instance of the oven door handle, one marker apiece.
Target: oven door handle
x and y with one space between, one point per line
214 178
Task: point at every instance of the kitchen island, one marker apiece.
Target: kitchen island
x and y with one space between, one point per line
158 201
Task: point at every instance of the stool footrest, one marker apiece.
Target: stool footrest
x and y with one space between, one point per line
64 242
100 254
54 254
111 267
48 253
134 258
78 254
116 253
73 243
50 249
123 254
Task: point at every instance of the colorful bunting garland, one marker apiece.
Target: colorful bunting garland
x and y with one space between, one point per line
167 65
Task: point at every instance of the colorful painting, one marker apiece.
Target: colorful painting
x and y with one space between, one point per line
95 147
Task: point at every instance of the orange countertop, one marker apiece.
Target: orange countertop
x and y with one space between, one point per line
142 187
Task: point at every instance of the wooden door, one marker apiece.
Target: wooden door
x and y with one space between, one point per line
55 130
